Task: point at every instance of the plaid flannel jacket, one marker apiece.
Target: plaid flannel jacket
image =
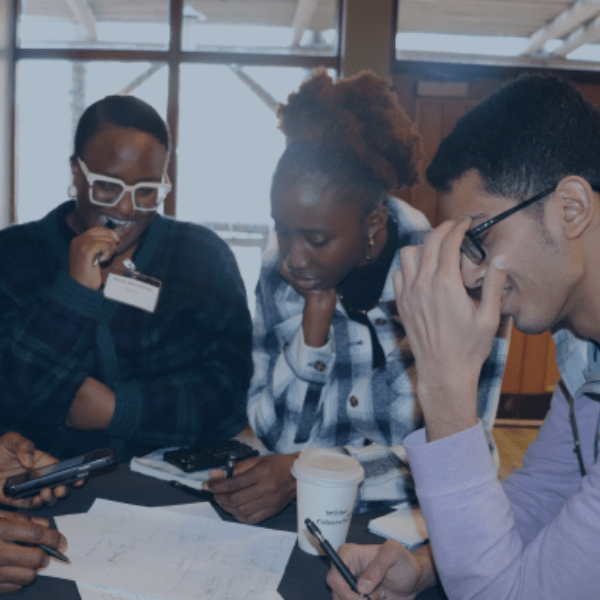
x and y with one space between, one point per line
302 397
180 374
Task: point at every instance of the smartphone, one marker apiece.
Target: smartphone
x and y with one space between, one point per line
32 482
200 458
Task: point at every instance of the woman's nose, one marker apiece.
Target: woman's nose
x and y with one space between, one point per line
125 205
296 256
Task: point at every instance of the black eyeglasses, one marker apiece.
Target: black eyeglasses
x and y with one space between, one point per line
472 247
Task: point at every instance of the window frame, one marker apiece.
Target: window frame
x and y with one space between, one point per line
173 57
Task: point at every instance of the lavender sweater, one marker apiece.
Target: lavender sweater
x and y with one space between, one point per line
536 536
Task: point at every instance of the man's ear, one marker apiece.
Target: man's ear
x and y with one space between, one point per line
377 220
577 205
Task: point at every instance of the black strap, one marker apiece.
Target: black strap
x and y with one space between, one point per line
577 449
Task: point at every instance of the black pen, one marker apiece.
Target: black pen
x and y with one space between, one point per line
47 549
338 563
230 465
110 224
55 553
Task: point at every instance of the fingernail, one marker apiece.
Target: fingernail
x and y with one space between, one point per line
364 586
501 261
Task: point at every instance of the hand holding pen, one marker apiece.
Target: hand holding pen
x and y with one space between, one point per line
259 487
336 561
88 250
110 224
25 545
387 570
230 466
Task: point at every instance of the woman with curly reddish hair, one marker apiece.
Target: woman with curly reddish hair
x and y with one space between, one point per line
332 366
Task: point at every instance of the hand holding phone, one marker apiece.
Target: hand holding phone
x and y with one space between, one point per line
30 483
18 454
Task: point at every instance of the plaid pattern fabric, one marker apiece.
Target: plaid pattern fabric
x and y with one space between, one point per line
302 397
180 374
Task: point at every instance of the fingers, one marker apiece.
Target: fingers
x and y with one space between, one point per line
492 289
19 564
357 558
430 255
261 488
13 579
87 251
422 263
449 246
8 588
30 532
98 240
410 257
48 496
219 485
389 555
14 516
23 449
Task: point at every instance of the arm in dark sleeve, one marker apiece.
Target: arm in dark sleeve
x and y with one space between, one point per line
46 339
199 392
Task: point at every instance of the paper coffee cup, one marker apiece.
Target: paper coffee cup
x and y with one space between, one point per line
327 482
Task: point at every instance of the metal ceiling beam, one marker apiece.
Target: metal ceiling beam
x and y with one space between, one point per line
85 17
567 21
588 34
305 10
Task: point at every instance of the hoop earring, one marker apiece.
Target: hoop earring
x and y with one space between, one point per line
72 191
370 244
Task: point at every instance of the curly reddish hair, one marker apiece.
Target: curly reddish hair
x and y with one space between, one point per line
359 119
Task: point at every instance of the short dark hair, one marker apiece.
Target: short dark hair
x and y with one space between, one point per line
122 111
523 139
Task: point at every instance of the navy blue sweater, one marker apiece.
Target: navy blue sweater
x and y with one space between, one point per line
180 374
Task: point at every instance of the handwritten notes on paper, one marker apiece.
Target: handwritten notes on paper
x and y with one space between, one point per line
170 555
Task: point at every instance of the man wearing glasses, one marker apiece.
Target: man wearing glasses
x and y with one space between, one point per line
120 327
518 178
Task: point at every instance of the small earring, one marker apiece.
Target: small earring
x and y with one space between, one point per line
370 244
72 191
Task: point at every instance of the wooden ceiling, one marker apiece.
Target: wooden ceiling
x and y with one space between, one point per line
539 20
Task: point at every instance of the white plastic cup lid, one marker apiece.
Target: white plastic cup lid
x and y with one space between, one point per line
326 467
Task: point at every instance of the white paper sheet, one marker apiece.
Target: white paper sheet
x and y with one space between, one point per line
165 554
194 509
92 592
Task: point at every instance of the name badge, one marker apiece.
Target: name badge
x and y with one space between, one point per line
134 289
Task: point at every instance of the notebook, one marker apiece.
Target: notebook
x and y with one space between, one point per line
405 524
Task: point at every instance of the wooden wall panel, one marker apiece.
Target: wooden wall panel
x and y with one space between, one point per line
535 363
429 118
511 383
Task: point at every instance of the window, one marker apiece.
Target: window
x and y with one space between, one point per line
526 34
214 70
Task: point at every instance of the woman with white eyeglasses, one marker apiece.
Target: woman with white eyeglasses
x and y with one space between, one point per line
120 326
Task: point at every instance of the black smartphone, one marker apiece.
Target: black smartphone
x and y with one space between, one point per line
32 482
216 455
